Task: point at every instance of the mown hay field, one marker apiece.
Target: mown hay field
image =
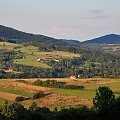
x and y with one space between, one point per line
58 97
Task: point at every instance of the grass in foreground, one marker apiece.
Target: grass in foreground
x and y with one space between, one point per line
89 92
114 86
79 93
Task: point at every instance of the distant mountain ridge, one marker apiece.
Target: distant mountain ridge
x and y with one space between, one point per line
19 36
71 41
107 39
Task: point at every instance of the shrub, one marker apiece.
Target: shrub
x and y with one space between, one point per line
56 84
38 95
73 87
19 98
21 81
49 83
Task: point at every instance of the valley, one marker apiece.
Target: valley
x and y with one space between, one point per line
48 77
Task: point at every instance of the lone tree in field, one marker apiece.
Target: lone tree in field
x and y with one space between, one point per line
104 100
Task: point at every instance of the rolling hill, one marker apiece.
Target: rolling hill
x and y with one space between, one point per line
10 34
71 41
107 39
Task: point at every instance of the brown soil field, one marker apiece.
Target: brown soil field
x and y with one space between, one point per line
60 100
8 96
24 86
83 82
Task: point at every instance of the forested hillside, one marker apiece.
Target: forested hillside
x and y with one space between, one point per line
10 34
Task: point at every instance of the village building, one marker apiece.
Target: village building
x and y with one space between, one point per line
73 77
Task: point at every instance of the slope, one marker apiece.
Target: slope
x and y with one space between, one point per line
107 39
10 34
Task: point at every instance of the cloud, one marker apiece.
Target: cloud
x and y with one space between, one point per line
98 14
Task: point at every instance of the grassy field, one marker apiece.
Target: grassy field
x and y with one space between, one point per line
31 54
57 54
115 86
61 97
86 94
31 61
18 92
89 91
7 45
28 50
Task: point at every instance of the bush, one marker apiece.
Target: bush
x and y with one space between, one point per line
19 98
38 95
21 81
56 84
49 83
74 87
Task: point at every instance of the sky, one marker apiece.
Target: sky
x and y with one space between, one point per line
62 19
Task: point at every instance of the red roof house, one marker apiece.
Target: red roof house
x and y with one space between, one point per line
73 77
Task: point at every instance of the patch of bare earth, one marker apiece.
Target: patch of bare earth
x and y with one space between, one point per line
8 96
23 86
60 100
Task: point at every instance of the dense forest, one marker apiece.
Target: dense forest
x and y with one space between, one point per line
106 106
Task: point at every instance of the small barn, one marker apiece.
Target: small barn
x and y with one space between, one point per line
73 77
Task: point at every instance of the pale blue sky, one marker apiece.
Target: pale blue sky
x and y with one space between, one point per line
70 19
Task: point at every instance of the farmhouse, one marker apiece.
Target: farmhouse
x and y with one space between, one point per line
73 77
